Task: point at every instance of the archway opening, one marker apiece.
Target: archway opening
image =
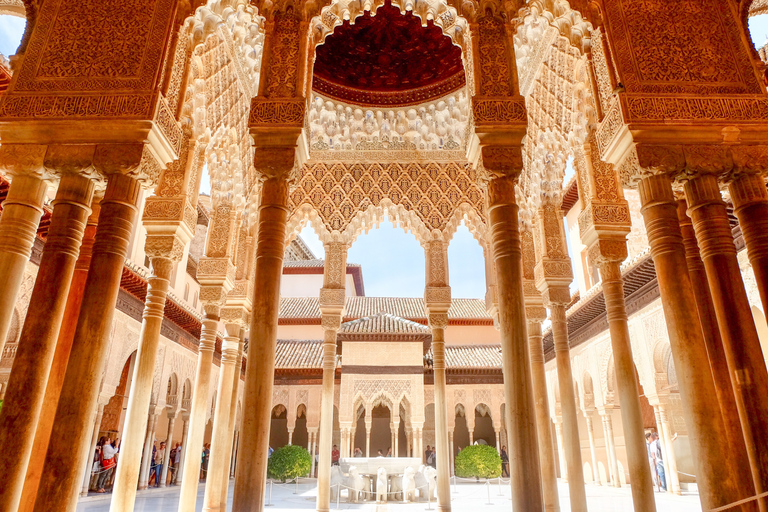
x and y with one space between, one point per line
278 431
381 433
300 433
484 431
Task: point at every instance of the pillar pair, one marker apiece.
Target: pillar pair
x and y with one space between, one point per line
61 477
719 484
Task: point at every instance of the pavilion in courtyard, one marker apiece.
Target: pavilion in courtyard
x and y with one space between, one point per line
609 157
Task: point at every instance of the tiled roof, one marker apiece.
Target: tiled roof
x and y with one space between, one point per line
470 356
299 354
383 323
314 263
410 308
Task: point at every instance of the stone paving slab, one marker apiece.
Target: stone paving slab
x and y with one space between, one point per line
475 497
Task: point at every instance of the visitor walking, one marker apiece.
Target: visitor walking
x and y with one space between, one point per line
177 461
651 461
504 462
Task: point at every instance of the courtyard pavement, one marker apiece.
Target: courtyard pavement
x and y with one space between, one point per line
469 496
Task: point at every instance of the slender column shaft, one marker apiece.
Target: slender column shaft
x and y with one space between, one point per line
146 464
326 420
250 480
396 452
717 484
611 443
368 439
670 462
59 365
737 328
441 413
673 479
453 453
629 394
750 202
312 453
352 442
524 466
571 441
217 465
546 450
29 375
194 440
561 449
124 491
177 477
89 461
167 456
22 210
60 481
714 343
229 451
592 449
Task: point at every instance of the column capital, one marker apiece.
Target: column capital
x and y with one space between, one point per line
234 317
213 298
437 299
608 250
171 216
438 320
330 322
168 247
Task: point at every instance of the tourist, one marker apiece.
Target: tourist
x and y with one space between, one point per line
651 461
389 452
206 455
108 462
379 453
158 465
358 452
427 453
176 462
434 458
504 462
335 456
657 455
270 452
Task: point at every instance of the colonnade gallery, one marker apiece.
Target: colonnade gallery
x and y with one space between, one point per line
608 156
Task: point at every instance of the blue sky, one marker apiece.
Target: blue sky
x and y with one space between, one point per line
393 262
11 30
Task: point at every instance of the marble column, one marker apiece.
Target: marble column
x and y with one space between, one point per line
168 444
352 433
626 380
229 449
140 395
25 392
453 453
750 204
94 440
728 409
179 469
61 477
613 462
438 322
571 441
217 465
368 437
520 418
592 447
190 476
312 435
146 464
22 209
718 486
670 460
63 343
561 449
331 325
546 450
250 480
737 327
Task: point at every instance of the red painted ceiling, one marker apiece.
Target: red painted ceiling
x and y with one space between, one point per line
387 59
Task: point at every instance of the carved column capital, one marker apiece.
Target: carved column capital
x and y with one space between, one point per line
438 320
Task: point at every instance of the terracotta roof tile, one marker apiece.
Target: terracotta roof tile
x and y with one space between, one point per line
300 354
470 356
410 308
383 323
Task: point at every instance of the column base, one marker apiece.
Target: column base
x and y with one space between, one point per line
444 508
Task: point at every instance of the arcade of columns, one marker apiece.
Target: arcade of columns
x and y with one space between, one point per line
109 99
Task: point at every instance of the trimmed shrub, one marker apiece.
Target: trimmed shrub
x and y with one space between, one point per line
289 462
479 461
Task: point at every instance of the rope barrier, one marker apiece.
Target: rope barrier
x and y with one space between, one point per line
740 502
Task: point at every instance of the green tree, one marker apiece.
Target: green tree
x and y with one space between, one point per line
289 462
479 461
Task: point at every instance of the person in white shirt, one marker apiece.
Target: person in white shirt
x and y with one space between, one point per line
158 465
108 452
655 448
